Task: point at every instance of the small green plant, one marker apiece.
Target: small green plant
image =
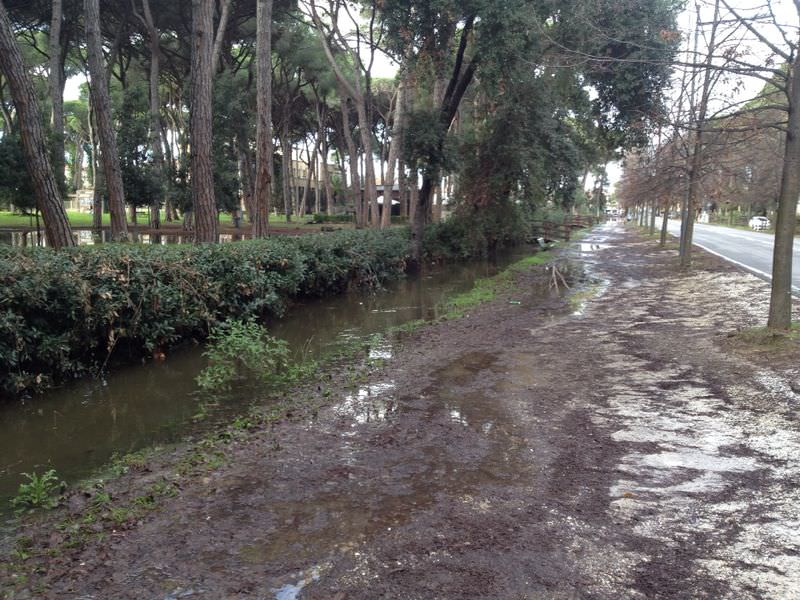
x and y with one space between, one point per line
133 461
41 491
243 423
147 502
238 349
23 548
101 500
164 489
121 514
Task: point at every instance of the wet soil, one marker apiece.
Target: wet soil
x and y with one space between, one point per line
528 450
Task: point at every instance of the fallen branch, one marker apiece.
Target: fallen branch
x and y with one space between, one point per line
556 277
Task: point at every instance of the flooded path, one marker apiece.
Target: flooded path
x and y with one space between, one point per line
527 450
79 427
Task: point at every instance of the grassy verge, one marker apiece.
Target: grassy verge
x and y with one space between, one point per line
488 288
764 336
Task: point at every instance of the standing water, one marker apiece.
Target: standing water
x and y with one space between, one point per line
78 428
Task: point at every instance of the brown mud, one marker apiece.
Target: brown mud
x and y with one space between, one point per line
620 447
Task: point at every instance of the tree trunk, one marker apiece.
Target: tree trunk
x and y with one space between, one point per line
780 304
77 165
402 181
664 225
370 189
97 197
421 210
413 195
304 202
652 218
398 127
351 87
325 151
97 212
437 205
286 168
8 123
246 179
56 81
343 175
317 192
105 128
37 158
355 182
264 151
155 109
206 219
222 27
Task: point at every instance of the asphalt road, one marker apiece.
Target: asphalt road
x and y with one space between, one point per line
749 249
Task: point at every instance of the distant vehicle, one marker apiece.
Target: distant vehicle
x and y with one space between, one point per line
759 223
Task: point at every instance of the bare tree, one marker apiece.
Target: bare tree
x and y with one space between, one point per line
787 49
780 72
699 108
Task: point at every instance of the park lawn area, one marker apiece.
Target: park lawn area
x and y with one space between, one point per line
10 219
76 219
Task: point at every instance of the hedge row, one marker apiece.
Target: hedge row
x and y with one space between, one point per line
62 314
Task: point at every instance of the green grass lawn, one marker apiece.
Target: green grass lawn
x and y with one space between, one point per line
79 219
76 219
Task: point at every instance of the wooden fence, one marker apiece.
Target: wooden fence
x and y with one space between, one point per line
554 230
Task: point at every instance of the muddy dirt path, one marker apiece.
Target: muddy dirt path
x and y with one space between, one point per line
526 451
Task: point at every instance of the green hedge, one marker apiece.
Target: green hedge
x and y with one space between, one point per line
473 232
62 314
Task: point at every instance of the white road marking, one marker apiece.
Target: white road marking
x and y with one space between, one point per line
758 272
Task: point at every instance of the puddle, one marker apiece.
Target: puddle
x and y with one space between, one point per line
370 404
374 484
464 368
581 298
383 352
292 591
588 247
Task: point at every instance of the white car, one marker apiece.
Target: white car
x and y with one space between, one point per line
759 223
